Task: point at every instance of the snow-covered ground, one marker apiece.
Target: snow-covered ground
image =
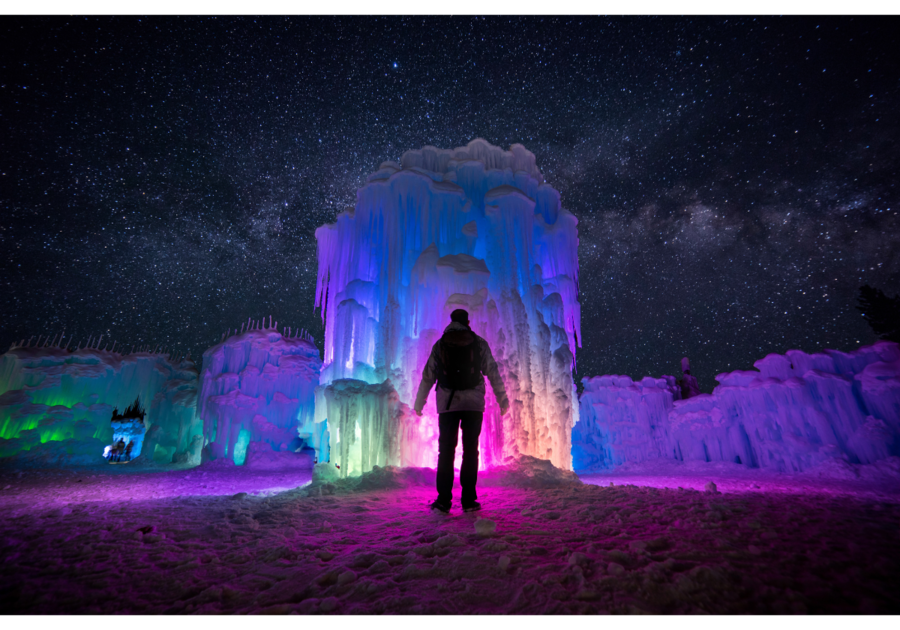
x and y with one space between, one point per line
222 539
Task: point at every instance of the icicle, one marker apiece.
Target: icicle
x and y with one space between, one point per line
67 343
53 343
270 322
98 341
242 329
276 325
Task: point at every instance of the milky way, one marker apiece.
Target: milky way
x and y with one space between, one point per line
734 179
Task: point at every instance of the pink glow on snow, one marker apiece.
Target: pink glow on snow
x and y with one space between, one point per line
194 543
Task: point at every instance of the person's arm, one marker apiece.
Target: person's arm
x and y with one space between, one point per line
489 368
429 376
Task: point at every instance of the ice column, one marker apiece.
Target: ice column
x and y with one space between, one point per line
477 228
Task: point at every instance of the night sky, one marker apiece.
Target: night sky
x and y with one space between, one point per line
734 178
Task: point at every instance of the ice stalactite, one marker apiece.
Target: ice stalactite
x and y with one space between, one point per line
793 413
259 387
477 228
54 396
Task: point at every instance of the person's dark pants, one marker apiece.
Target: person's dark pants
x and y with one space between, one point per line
449 424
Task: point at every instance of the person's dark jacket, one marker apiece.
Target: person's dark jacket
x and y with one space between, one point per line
463 399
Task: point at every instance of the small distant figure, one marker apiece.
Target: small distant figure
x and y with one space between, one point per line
688 384
128 448
118 451
457 362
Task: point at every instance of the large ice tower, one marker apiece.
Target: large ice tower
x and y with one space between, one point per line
477 228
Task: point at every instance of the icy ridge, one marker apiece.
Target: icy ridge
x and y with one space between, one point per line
796 413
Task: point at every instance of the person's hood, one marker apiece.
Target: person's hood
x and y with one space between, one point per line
458 334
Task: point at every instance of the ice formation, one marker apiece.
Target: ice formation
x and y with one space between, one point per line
56 404
257 390
477 228
797 411
367 424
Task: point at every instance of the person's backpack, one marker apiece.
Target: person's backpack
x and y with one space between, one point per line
459 366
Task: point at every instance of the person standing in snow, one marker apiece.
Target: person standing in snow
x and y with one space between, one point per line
688 384
457 362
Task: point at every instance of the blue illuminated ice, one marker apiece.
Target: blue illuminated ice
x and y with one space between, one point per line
476 228
794 412
257 396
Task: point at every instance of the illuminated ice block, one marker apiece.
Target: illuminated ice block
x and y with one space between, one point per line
794 412
52 397
476 228
369 426
258 386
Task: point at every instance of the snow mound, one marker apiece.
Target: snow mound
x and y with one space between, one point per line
887 469
326 480
528 472
525 472
260 456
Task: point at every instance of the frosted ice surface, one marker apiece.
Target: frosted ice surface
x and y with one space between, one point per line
797 412
257 389
473 227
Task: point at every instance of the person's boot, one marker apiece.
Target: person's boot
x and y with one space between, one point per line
440 505
474 506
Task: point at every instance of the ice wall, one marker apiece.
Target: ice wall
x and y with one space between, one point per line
621 420
57 403
477 228
790 414
258 386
